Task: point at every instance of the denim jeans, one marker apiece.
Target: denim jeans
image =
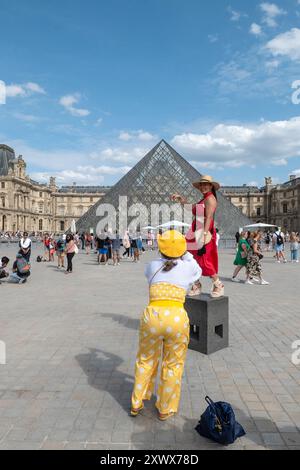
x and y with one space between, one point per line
294 255
14 279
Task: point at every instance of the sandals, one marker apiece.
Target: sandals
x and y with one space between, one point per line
217 290
195 290
165 417
135 412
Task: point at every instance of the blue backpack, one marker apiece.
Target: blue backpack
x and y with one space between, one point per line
218 423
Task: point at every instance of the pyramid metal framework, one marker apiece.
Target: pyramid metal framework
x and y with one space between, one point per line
153 179
7 155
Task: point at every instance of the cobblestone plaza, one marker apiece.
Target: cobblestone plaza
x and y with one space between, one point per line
71 343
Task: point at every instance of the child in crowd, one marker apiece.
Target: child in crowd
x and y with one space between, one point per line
294 247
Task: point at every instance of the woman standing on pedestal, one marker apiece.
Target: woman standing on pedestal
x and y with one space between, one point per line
206 253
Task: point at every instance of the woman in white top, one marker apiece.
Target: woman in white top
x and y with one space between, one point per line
164 327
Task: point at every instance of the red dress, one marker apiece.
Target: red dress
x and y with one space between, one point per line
208 262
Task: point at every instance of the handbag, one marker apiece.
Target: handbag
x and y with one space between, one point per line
218 423
260 256
76 249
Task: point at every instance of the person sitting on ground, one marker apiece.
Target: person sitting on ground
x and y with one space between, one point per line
4 263
21 270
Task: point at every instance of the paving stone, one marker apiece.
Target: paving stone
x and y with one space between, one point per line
70 372
272 439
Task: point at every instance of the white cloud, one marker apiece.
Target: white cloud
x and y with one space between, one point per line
27 117
235 15
120 155
296 172
99 122
271 12
68 102
125 136
213 38
23 90
256 29
82 175
272 64
35 88
137 135
286 44
279 162
237 145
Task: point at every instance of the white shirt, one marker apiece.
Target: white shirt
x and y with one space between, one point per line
25 243
184 274
218 239
277 234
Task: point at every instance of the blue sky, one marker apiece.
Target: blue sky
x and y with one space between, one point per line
93 85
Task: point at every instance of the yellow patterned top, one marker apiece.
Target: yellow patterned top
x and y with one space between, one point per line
165 291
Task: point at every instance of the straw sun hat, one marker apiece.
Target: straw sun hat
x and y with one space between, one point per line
172 244
207 179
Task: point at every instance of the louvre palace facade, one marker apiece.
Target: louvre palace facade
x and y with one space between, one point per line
34 207
28 205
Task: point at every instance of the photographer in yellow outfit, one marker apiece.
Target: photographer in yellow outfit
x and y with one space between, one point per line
164 327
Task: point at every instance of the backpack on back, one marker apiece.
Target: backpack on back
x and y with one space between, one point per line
23 266
280 240
60 245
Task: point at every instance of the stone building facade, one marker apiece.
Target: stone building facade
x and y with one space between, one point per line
276 204
34 207
28 205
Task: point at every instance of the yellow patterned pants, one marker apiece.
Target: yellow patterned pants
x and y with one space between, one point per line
164 334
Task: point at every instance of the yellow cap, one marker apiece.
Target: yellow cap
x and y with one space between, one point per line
172 244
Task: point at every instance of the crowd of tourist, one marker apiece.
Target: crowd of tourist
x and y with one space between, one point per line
107 246
250 252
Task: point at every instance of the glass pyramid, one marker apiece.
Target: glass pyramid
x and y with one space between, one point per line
148 186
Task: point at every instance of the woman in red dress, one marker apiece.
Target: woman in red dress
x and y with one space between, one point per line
205 249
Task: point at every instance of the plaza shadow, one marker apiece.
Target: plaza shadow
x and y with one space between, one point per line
131 323
179 434
101 369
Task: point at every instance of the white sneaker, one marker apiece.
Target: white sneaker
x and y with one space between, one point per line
264 283
249 282
234 279
285 261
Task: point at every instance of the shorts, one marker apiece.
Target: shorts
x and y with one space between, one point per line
279 248
103 251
